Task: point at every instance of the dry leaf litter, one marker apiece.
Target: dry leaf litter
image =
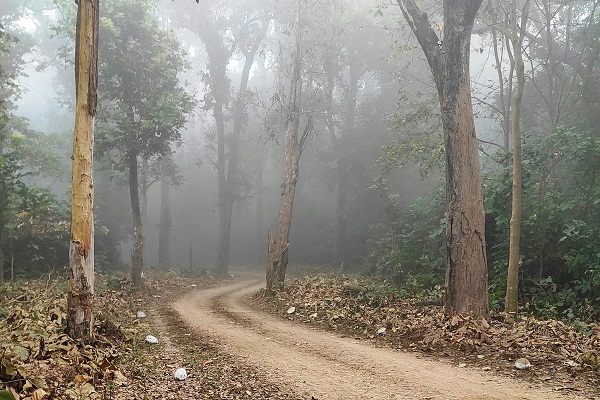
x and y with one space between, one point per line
38 361
553 352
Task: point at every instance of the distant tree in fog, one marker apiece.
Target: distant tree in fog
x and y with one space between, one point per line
143 105
301 80
228 30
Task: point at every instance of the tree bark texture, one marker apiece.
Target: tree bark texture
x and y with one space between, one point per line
277 261
466 262
260 196
80 297
512 281
1 257
144 186
278 251
218 60
4 201
228 164
504 106
137 254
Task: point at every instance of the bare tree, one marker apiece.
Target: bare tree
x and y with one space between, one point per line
221 40
80 317
517 34
448 57
294 144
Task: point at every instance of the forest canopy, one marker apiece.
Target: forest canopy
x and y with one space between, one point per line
204 107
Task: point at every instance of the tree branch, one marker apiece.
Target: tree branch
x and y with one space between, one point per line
426 36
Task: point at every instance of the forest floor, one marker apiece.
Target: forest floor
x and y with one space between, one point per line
320 338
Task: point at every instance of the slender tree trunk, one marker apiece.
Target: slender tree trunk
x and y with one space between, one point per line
224 214
164 230
144 189
137 254
80 297
343 165
1 255
278 252
278 247
218 56
260 196
229 182
512 282
3 208
466 261
501 96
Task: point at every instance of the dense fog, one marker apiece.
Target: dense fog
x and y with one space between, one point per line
200 94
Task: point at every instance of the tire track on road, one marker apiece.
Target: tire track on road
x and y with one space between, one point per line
323 366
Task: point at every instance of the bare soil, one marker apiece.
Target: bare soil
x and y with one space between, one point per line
316 364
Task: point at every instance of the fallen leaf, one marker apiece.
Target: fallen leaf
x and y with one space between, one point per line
6 395
39 394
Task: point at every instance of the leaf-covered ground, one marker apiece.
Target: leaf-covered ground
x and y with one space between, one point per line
38 361
560 355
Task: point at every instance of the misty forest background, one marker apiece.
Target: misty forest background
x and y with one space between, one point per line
192 100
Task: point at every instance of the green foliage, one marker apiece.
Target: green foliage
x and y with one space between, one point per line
6 395
560 254
560 239
39 235
33 224
409 250
421 142
142 104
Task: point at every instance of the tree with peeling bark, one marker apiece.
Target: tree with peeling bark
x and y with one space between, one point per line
80 317
448 57
295 140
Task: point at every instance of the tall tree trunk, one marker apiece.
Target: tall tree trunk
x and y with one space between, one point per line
466 262
504 106
144 189
278 252
3 207
137 254
260 196
229 193
1 255
80 297
164 230
277 261
512 282
218 57
223 203
342 148
343 165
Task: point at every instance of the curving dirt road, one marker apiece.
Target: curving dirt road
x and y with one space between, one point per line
319 365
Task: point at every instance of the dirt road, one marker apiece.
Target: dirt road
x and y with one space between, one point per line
319 365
